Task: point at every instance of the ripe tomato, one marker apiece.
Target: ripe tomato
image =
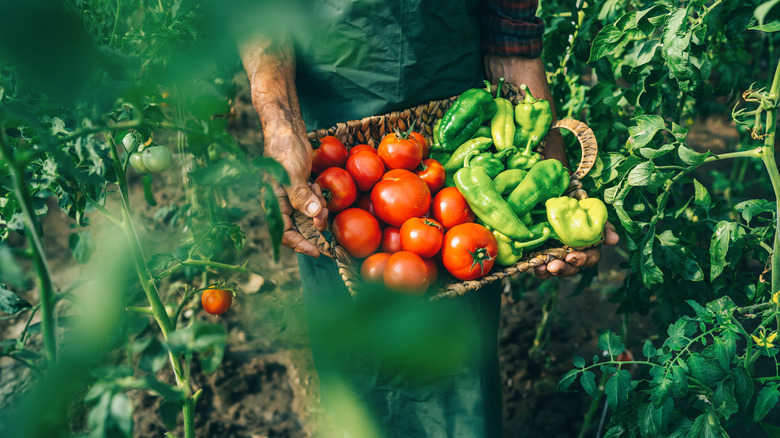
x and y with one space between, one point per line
373 267
391 240
400 151
216 301
157 158
357 231
399 196
426 150
422 236
469 251
366 168
406 272
450 208
433 173
329 151
338 188
361 148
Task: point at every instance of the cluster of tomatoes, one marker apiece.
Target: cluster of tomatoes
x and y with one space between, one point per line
393 212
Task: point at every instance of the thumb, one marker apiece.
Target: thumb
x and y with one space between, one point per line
303 199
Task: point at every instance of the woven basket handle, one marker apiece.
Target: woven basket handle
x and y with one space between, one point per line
310 232
587 142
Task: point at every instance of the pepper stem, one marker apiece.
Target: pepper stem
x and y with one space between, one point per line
545 235
528 96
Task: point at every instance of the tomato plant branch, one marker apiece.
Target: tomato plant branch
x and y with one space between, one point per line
771 166
201 263
42 271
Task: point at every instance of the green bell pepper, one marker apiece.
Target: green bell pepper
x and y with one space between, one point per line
473 108
507 180
483 131
455 160
523 159
546 179
487 204
502 125
577 223
510 251
492 162
533 117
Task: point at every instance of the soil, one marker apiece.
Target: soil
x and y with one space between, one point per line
267 387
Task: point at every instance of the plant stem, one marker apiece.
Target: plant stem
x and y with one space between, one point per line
42 271
771 166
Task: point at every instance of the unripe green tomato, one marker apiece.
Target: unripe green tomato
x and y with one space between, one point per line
130 140
157 158
138 163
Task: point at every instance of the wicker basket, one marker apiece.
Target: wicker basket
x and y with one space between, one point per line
370 130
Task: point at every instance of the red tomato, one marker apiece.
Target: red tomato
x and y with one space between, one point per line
362 148
329 151
366 169
406 272
357 231
433 173
216 301
422 236
450 208
373 267
400 151
469 251
400 195
391 240
426 150
338 188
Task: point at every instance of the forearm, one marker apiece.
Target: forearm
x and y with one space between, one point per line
271 72
530 71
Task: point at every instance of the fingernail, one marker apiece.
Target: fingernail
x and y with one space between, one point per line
312 208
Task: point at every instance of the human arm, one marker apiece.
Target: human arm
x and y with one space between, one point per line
271 71
512 46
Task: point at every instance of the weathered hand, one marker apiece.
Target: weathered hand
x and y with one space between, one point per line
576 260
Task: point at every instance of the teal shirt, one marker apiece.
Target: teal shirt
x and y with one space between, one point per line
362 58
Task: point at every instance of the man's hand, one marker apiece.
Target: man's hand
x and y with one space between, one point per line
271 71
577 260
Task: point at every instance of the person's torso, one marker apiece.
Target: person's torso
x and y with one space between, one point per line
367 57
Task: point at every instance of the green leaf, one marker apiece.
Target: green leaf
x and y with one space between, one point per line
588 382
649 350
273 215
763 10
765 401
149 190
567 380
774 26
10 271
691 157
273 168
154 357
653 153
579 362
642 174
676 42
651 274
610 342
725 234
82 245
743 386
707 425
701 196
169 412
724 401
617 389
754 207
678 333
12 304
608 40
646 127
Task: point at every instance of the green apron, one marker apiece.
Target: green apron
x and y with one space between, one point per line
391 366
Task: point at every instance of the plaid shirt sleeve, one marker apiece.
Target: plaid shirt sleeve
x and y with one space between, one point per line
511 28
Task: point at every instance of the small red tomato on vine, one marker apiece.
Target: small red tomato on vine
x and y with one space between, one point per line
216 301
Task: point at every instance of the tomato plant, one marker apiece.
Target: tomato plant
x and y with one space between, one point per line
216 301
329 151
422 236
338 188
357 231
399 196
469 251
407 272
